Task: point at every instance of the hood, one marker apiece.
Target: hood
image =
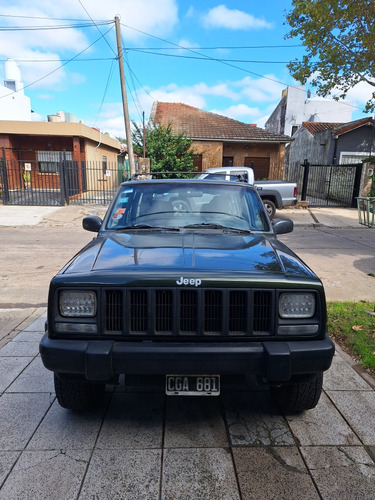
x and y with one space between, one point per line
168 251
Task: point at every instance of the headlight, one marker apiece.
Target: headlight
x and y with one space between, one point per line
297 305
77 304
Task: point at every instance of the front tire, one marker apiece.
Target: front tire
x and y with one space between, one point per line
296 397
77 394
270 208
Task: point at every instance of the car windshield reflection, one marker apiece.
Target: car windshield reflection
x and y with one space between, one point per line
175 205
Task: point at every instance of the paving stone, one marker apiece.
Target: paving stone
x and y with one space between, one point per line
341 377
46 475
7 460
273 473
10 368
133 421
14 348
35 378
38 325
194 422
198 473
62 429
253 420
20 415
322 425
341 471
358 407
26 336
123 474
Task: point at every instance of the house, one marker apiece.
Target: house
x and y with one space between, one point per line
297 106
222 141
334 144
33 152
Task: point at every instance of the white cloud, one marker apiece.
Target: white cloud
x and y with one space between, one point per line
240 112
158 18
263 89
234 19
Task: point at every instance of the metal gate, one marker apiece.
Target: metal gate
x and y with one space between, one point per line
59 182
329 185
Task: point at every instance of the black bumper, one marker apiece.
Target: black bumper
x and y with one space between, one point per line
101 360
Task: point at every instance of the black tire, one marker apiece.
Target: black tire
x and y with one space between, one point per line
270 208
296 397
77 394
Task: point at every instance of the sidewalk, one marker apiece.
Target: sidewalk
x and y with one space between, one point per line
142 445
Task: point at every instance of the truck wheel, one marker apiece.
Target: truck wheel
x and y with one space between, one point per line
270 208
296 397
77 394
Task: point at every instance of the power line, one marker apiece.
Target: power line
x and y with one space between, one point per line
96 25
50 18
55 27
59 67
216 59
105 91
225 47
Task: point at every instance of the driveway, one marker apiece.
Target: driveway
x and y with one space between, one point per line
141 445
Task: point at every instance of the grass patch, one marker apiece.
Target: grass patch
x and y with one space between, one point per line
353 328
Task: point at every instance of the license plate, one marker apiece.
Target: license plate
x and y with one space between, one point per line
192 385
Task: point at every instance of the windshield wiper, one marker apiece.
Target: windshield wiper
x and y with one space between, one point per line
147 226
207 225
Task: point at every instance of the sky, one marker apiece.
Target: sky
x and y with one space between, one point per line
224 57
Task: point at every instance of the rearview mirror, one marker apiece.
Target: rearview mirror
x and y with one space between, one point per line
282 226
92 223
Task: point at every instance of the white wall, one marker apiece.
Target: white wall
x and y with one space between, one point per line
14 105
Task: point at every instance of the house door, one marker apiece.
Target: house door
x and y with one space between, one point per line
227 161
260 165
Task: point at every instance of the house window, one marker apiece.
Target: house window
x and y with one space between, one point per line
48 161
294 130
227 161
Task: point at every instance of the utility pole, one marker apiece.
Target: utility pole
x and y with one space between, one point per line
144 135
124 98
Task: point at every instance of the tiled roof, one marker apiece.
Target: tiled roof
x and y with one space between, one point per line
314 127
198 124
336 128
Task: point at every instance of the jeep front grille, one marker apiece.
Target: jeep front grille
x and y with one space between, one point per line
189 312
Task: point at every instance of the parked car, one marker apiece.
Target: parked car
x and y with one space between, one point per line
186 279
274 194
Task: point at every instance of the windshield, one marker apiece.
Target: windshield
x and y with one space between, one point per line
183 204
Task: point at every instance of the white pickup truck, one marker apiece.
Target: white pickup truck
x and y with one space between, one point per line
274 194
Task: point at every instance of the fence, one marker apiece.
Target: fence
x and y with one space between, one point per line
328 185
59 182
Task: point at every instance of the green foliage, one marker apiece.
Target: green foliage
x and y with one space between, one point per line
339 37
352 327
168 152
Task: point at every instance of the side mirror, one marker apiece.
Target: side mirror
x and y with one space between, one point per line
92 223
282 226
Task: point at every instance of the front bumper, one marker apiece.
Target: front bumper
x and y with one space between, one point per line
101 360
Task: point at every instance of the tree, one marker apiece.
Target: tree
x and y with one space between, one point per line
168 152
339 37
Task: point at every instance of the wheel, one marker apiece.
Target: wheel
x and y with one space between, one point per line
77 394
270 208
180 206
296 397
